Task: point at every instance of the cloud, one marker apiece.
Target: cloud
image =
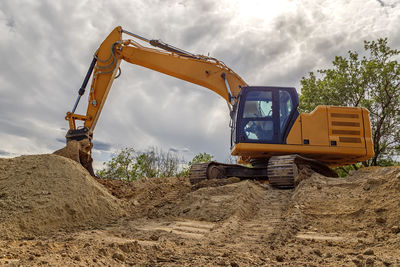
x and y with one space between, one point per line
381 3
178 150
4 153
98 145
173 150
10 23
46 48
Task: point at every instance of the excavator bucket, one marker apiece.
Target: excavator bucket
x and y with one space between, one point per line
79 151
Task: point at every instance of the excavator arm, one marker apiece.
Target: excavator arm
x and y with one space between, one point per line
201 70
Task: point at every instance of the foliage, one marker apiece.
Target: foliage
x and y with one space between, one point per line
346 170
372 82
130 165
199 158
120 166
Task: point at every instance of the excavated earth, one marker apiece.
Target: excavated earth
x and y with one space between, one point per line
52 212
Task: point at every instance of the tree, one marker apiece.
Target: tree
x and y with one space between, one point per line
372 82
120 167
130 165
201 157
156 163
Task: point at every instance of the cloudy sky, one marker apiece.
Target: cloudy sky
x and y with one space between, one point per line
46 48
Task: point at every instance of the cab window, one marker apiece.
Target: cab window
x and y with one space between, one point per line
258 105
257 116
285 108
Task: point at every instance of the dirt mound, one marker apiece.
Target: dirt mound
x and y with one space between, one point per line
215 204
145 191
368 199
41 194
355 216
215 200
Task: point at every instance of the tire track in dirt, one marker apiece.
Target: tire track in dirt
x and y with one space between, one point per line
262 223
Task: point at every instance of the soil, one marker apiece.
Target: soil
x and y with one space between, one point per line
52 212
47 193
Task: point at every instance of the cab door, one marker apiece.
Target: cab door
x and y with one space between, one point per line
258 116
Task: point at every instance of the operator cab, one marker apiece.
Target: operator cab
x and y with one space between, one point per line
264 115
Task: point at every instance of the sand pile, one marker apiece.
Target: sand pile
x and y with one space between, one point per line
41 194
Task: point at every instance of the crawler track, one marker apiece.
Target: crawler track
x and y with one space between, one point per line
281 171
198 172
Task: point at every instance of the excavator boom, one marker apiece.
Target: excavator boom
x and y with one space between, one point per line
201 70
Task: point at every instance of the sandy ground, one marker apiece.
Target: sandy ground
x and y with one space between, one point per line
53 213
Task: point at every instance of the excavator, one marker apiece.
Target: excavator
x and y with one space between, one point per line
271 139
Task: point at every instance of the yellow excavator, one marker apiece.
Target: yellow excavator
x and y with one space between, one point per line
267 131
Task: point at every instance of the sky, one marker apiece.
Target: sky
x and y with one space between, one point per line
46 47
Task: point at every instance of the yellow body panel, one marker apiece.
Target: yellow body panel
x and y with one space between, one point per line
313 125
294 136
334 135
